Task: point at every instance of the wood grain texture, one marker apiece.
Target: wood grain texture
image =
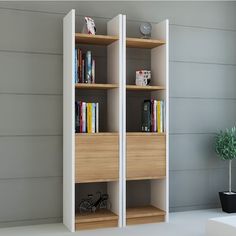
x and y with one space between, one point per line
94 39
146 156
143 43
144 214
97 158
95 86
99 219
144 88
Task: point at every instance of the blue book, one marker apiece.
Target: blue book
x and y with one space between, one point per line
76 66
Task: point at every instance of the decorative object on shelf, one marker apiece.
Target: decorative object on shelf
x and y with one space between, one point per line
146 29
225 147
143 77
92 204
89 26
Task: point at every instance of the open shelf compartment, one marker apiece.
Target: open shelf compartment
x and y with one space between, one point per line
101 218
143 204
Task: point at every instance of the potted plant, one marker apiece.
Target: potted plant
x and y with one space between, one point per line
225 147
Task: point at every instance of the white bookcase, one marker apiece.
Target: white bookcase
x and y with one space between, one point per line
113 160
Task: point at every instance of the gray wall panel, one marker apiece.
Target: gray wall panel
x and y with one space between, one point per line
25 199
197 152
30 73
30 114
202 45
205 14
30 156
30 31
201 115
197 187
202 80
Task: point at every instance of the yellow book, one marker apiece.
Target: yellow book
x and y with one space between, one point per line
89 117
159 117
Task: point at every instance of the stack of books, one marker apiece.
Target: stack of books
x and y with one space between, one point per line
153 116
86 117
84 67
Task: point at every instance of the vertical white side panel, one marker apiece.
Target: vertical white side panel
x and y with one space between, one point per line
160 76
124 120
68 120
114 105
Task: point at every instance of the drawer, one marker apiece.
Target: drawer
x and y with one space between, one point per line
145 156
96 157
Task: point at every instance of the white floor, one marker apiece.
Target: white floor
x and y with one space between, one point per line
189 223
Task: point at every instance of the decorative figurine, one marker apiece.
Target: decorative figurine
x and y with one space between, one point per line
89 26
92 204
146 29
143 77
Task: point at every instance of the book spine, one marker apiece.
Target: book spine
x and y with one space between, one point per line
97 117
155 116
80 66
88 67
76 66
93 71
89 118
84 117
146 116
164 116
152 115
93 117
83 71
78 52
159 116
81 123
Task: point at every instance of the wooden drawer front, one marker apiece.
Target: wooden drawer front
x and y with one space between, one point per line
96 158
146 156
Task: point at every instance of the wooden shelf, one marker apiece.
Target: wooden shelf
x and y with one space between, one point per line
144 88
94 39
144 214
96 86
143 43
97 134
145 134
99 219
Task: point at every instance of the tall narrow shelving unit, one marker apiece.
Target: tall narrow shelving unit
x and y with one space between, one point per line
145 177
92 161
114 160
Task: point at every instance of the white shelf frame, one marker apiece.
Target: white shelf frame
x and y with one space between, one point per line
116 54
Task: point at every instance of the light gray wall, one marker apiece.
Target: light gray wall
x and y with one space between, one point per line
202 99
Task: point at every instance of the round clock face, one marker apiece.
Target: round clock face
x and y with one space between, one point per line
146 28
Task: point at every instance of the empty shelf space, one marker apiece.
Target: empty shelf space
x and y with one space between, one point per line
144 214
94 39
97 134
95 86
144 88
143 43
99 219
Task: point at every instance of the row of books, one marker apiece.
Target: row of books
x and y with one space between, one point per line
153 116
86 117
84 67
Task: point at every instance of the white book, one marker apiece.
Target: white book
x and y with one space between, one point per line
155 116
93 117
97 117
84 106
